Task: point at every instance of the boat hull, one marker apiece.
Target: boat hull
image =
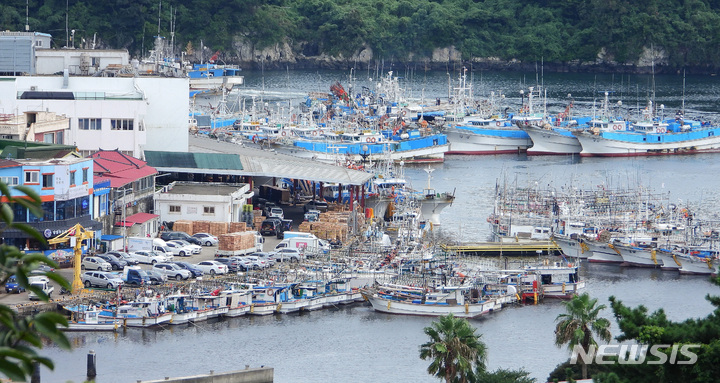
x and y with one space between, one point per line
610 144
505 140
551 141
571 247
473 310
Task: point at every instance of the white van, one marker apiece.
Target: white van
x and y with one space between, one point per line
43 283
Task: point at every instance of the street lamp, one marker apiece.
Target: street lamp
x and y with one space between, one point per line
364 155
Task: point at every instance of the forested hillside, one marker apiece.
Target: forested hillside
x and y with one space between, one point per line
675 34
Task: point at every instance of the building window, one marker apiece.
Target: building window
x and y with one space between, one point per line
208 209
174 208
89 123
85 175
10 181
121 124
49 138
72 178
32 177
47 181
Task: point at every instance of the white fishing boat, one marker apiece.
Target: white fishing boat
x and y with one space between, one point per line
443 301
603 252
263 300
572 247
638 256
87 318
146 312
181 307
237 301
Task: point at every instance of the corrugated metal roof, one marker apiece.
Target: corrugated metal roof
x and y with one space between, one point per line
253 162
213 161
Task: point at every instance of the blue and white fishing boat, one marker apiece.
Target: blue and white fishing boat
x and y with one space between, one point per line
87 318
411 146
651 137
206 78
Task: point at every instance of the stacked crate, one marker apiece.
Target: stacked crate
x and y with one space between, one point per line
184 225
257 219
218 228
235 227
236 241
201 226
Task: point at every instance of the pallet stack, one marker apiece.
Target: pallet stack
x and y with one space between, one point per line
201 227
218 228
330 225
185 225
236 241
235 227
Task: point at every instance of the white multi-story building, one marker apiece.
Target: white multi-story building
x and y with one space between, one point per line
199 201
81 62
18 49
130 114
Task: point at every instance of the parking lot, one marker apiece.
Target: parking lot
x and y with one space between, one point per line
207 253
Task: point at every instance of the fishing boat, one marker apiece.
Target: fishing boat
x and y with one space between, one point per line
181 307
461 301
146 312
206 78
652 137
263 300
638 256
87 318
603 252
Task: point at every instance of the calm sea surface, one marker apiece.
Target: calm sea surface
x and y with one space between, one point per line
355 344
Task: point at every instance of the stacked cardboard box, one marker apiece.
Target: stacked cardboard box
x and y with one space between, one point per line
218 228
184 225
236 241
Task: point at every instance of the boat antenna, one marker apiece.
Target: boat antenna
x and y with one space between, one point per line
683 93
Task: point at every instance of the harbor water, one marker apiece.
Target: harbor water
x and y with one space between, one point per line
354 343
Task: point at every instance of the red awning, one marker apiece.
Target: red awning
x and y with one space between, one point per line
126 223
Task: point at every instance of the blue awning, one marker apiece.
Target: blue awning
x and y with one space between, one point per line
110 237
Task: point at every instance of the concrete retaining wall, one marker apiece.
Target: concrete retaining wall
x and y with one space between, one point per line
250 375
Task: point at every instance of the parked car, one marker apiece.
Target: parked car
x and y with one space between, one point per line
212 267
267 257
206 239
115 263
178 249
256 263
41 269
276 212
172 271
312 215
233 265
287 255
101 279
270 226
170 235
12 286
149 257
156 277
194 270
127 257
285 225
195 249
268 206
95 263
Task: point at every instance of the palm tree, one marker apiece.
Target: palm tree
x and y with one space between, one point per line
576 327
455 350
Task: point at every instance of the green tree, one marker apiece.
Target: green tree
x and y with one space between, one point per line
455 350
576 327
20 337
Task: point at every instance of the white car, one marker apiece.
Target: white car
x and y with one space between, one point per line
95 263
276 212
178 249
255 262
172 271
101 279
286 255
149 257
196 249
212 267
206 239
